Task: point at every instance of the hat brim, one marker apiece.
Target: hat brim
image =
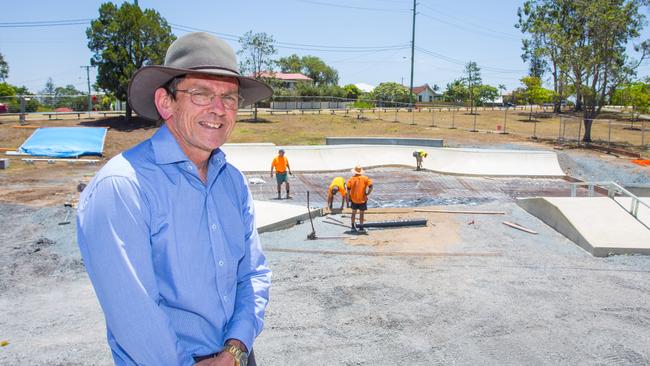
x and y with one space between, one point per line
147 79
357 172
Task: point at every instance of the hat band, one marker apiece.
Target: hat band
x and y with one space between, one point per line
213 68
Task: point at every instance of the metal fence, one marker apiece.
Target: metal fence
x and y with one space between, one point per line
527 121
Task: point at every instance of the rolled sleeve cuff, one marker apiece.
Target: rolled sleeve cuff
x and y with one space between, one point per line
242 330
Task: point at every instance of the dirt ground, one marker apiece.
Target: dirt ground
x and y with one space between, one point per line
465 289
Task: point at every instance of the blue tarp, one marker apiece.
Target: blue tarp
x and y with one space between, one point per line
65 142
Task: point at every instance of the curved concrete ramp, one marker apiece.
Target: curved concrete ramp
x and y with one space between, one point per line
484 162
597 224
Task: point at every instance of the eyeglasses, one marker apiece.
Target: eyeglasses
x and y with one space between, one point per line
204 97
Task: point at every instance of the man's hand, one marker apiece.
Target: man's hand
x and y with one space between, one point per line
222 359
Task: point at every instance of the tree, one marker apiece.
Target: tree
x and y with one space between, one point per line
391 92
48 92
316 69
456 92
485 93
290 64
311 66
534 92
352 91
636 95
123 40
473 79
256 51
587 39
4 68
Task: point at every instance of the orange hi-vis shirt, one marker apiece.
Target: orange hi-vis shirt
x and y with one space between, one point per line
280 164
357 186
338 182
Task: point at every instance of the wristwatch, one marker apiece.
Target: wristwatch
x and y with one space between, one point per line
241 357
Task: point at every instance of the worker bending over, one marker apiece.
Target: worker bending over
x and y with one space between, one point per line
419 155
337 186
359 188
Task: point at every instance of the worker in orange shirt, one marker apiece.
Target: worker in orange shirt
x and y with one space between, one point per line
337 186
281 166
359 187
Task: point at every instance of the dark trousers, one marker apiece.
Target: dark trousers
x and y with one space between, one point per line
251 358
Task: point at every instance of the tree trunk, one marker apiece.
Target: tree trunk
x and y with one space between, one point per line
255 112
530 115
578 107
587 123
129 111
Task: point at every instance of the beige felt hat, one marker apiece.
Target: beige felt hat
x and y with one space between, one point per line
193 53
357 170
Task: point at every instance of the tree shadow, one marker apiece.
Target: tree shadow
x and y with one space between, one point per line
121 123
254 120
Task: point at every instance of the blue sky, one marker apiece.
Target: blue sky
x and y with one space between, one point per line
365 41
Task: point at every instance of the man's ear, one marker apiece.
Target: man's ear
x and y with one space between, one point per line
163 103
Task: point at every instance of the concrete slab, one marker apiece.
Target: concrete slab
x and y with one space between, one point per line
472 162
597 224
643 213
271 216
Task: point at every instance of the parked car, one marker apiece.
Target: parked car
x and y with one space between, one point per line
3 108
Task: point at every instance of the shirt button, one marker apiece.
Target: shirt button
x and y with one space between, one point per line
214 226
189 167
225 298
221 263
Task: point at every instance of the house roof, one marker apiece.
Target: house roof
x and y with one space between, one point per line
285 76
420 89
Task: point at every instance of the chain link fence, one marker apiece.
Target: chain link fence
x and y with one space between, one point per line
527 121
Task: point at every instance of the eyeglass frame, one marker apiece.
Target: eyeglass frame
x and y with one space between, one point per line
192 92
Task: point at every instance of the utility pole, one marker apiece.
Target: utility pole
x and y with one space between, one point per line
90 99
412 54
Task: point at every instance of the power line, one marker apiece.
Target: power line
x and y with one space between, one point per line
467 28
300 46
352 7
465 22
461 62
44 23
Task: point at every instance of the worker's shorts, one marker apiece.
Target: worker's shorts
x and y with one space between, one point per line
281 177
359 206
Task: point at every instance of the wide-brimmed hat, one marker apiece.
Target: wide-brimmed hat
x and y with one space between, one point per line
357 170
193 53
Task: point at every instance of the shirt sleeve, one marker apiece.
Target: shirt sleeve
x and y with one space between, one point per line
253 282
113 236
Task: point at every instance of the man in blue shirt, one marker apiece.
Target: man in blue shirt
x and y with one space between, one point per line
167 229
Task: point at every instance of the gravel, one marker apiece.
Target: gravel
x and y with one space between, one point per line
492 295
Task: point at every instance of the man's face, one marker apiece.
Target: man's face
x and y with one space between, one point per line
281 153
201 129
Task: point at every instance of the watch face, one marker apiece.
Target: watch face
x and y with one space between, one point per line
243 359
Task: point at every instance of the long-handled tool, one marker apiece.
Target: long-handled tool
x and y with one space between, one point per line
68 207
312 235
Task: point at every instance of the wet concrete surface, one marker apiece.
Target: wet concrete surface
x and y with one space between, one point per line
405 187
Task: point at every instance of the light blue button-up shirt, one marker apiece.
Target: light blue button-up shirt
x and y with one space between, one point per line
176 263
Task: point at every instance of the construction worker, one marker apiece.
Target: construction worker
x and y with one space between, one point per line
337 186
359 188
281 166
419 155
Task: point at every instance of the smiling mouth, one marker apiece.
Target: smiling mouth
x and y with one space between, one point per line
213 125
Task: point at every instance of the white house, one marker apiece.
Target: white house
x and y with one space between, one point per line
425 94
289 80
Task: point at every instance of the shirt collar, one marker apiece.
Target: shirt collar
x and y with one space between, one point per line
167 150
